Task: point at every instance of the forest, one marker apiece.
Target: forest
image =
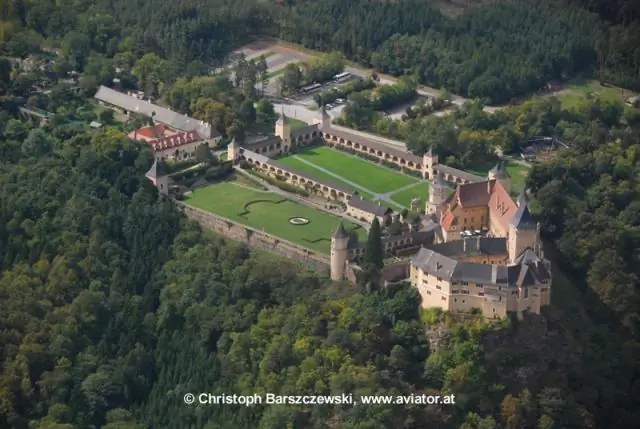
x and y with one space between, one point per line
496 52
113 305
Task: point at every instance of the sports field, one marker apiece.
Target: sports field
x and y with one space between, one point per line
404 197
271 212
368 175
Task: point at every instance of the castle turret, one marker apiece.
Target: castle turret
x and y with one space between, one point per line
158 176
524 232
283 131
339 253
499 173
438 193
233 151
429 163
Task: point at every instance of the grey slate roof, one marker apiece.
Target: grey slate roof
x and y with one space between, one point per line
522 218
472 178
340 232
475 246
522 198
521 274
369 206
498 171
158 169
524 274
162 115
430 152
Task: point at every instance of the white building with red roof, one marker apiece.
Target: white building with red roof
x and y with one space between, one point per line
170 144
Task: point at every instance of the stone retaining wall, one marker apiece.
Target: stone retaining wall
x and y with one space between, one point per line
255 238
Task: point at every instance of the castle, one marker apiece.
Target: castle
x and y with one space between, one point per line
501 269
501 272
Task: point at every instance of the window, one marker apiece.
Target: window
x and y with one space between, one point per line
465 283
444 298
455 292
463 301
526 293
428 292
499 287
480 293
482 218
514 292
455 299
473 219
544 289
465 220
480 285
439 287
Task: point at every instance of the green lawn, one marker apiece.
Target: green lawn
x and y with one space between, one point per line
419 190
302 166
271 213
364 173
571 96
518 173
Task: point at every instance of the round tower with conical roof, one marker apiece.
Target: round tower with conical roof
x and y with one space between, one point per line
339 253
438 193
499 174
233 151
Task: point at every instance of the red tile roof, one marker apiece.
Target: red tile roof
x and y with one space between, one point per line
173 141
448 220
501 206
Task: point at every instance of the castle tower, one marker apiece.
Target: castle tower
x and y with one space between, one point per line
438 193
524 232
499 174
324 121
233 151
283 130
429 164
158 176
339 253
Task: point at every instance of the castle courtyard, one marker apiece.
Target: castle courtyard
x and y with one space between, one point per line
368 175
270 212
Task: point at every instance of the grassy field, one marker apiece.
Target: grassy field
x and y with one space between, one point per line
420 190
571 96
270 212
302 166
364 173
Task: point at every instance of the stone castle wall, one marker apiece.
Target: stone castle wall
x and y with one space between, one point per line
255 238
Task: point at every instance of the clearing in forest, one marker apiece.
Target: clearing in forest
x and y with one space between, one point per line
271 213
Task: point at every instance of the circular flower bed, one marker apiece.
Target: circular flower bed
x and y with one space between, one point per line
299 221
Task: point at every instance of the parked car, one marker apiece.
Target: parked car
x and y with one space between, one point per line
340 101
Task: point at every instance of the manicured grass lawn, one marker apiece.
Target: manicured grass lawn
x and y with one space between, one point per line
419 190
302 166
271 213
364 173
